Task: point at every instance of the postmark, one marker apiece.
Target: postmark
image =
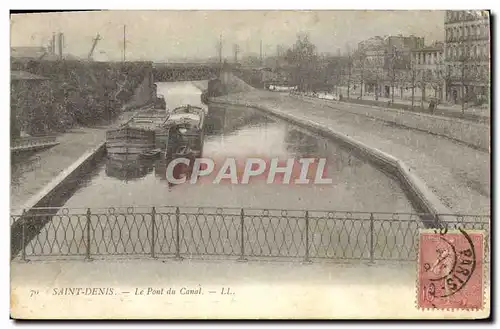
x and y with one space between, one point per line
450 269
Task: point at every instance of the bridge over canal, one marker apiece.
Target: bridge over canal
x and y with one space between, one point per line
169 72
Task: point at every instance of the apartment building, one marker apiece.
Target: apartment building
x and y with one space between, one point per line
430 71
384 63
467 56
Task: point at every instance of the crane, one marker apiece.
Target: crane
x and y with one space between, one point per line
94 44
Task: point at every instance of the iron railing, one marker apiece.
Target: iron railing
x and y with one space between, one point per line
228 232
27 142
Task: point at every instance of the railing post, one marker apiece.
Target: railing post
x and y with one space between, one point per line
242 237
23 235
307 260
153 226
88 224
177 234
372 251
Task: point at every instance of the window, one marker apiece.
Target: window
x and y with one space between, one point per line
467 30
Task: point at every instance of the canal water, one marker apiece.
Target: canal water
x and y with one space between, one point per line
127 223
243 133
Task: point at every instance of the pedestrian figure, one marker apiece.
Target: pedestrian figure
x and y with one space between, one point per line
432 105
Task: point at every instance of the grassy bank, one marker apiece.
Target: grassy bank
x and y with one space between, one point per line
75 94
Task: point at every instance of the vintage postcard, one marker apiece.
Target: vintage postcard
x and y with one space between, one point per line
250 164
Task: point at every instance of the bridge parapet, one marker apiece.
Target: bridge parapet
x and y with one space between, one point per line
185 72
237 233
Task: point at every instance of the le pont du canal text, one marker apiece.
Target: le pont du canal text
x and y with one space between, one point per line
196 290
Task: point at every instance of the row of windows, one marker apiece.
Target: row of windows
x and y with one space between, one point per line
478 30
455 15
476 51
426 58
469 70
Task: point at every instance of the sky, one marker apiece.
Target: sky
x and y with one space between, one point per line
176 35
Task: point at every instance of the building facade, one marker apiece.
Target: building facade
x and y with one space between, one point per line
430 71
467 56
382 64
370 64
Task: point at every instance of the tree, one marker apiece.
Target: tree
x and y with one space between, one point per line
303 59
373 71
335 71
359 62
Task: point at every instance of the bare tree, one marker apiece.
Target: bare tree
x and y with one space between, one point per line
349 72
413 83
360 62
303 59
392 73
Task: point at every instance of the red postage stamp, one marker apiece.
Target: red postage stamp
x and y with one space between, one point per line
450 270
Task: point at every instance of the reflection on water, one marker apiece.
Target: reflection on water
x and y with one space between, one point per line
243 133
223 120
20 164
127 169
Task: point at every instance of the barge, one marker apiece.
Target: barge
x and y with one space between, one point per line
141 134
185 129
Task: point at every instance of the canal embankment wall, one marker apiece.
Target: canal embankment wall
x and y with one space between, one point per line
144 94
52 194
471 133
226 83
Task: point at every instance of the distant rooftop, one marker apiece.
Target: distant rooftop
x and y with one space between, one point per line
37 53
27 52
437 46
23 75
